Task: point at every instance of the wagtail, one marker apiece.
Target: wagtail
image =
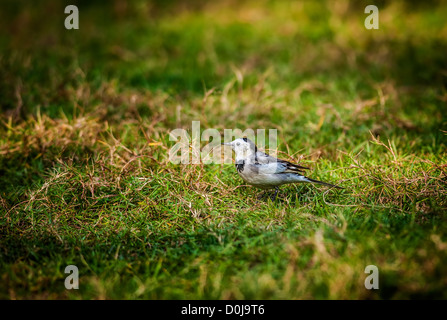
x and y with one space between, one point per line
264 171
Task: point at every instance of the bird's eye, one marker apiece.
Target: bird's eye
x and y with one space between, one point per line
238 144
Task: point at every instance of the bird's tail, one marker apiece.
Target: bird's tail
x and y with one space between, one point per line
323 183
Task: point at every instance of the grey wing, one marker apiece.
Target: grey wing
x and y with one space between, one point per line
264 158
268 168
282 166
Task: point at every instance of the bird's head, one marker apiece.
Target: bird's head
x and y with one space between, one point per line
242 147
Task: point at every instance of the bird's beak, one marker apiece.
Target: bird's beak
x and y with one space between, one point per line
226 143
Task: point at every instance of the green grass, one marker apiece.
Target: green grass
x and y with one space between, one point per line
84 138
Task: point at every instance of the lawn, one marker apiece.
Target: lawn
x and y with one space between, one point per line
86 180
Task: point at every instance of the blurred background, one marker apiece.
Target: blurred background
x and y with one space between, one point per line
188 47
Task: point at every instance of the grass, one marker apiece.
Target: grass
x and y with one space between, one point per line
84 141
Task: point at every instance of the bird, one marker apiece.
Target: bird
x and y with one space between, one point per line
263 171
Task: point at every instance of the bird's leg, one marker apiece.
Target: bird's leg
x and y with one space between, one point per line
276 193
